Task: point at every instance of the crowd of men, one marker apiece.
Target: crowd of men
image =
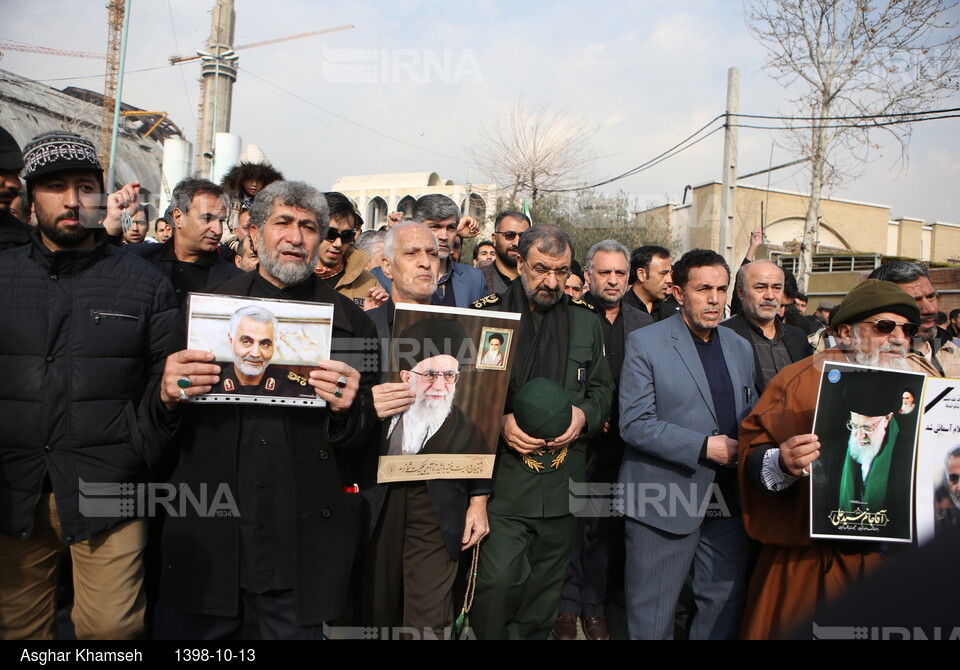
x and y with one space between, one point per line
660 393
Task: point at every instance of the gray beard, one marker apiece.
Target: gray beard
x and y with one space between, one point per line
432 414
287 273
877 360
249 369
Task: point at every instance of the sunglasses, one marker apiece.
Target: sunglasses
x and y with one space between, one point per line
346 236
509 235
887 326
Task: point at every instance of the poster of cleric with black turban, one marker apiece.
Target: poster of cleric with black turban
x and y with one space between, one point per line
265 348
938 460
862 484
450 430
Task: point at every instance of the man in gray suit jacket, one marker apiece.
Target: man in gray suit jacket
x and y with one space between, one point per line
684 388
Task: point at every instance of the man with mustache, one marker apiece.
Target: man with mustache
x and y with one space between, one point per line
286 558
13 231
253 340
775 344
524 561
795 574
933 343
190 259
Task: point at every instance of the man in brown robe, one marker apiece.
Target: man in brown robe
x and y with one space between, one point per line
794 573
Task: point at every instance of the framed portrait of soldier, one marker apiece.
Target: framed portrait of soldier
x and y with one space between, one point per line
451 429
861 486
265 348
938 460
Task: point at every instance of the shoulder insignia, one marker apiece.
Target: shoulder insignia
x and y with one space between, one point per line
228 384
271 384
580 303
492 299
294 377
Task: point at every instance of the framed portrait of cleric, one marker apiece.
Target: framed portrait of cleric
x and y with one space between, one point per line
451 429
494 349
938 459
265 348
861 486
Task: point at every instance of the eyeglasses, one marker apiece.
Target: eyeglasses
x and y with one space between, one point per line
863 427
540 272
887 326
346 236
508 235
431 376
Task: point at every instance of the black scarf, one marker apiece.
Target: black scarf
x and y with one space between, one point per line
540 353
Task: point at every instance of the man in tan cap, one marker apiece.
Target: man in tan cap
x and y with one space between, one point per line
794 573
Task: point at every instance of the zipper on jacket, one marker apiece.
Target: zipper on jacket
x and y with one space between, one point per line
97 315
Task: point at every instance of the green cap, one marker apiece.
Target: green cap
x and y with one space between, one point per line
542 409
873 296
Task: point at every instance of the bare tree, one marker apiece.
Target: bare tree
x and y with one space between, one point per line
862 67
526 153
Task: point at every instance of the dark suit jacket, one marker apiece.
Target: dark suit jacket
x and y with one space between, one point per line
798 347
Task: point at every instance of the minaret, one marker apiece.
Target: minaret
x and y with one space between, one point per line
219 71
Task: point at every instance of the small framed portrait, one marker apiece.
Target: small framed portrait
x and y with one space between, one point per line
494 348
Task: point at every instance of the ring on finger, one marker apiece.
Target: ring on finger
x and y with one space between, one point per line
338 393
183 396
342 382
804 472
184 382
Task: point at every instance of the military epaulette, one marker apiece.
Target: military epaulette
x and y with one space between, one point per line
581 303
294 377
492 299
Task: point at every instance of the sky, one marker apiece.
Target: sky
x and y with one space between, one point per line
411 86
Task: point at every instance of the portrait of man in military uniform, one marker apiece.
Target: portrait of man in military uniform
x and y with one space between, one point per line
253 341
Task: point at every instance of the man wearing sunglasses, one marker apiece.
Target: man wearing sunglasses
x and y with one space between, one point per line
933 343
795 574
507 228
341 264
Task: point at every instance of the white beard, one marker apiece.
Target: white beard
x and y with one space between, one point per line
431 411
877 360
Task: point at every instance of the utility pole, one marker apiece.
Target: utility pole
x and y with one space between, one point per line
728 192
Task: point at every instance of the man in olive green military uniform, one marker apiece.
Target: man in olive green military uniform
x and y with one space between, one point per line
523 562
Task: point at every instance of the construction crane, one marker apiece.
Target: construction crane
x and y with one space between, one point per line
47 51
115 12
177 60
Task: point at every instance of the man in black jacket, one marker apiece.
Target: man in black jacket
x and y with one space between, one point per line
86 329
289 551
13 232
191 259
775 344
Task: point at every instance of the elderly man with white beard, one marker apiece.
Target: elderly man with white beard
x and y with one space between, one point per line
418 530
794 573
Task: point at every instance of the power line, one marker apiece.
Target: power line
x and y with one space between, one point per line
360 125
656 160
849 125
183 78
848 118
